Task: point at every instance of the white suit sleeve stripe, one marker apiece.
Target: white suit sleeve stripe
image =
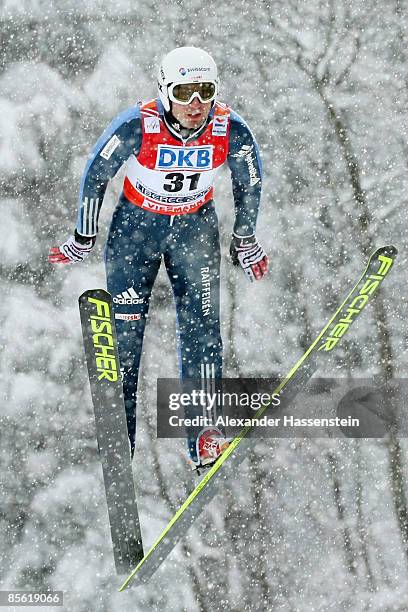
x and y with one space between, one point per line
95 217
91 216
84 216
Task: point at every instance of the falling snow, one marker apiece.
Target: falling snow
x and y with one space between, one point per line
306 525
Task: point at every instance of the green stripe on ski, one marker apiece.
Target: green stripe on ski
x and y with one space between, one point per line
328 338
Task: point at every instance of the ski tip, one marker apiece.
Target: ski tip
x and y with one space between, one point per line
388 250
94 293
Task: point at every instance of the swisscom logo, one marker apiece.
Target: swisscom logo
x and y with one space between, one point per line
183 71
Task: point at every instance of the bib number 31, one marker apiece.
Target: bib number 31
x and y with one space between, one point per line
177 180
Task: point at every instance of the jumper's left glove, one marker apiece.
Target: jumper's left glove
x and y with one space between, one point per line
248 253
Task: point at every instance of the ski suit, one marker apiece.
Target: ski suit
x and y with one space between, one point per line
166 212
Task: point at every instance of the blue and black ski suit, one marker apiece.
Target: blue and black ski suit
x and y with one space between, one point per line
180 230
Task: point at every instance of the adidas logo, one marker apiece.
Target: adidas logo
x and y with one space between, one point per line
128 297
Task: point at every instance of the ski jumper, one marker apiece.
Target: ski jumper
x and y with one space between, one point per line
166 212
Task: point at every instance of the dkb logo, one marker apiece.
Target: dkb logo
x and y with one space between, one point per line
184 158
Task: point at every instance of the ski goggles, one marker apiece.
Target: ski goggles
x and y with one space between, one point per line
184 93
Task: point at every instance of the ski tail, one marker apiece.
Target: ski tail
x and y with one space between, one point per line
100 342
377 269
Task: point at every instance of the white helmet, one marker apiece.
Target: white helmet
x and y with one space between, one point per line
186 65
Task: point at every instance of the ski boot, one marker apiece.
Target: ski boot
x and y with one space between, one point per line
210 444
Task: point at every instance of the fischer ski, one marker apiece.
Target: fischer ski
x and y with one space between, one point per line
378 267
99 334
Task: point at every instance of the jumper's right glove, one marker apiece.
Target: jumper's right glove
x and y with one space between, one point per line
75 249
248 253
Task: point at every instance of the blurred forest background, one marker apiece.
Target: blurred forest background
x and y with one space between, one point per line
306 524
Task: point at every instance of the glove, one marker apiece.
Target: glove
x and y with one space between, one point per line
248 253
75 249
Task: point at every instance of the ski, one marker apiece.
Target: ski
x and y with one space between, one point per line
378 267
100 342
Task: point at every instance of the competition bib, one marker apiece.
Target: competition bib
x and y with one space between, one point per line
172 178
